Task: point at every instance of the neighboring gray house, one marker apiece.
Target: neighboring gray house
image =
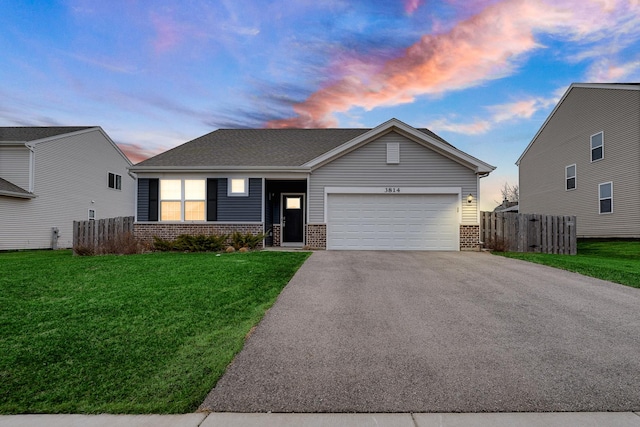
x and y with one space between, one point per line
392 187
51 176
585 161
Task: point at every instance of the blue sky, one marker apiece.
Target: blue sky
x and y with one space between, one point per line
483 74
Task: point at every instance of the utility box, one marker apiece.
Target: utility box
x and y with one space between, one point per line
55 234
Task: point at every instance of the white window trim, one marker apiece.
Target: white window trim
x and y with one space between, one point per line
605 198
232 194
89 214
592 148
183 199
567 177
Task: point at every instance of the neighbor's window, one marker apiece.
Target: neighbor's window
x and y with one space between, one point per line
114 181
238 187
92 214
597 146
194 196
606 197
570 177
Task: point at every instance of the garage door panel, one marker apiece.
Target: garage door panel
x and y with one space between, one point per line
392 222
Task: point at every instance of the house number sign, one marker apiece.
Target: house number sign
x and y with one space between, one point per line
392 189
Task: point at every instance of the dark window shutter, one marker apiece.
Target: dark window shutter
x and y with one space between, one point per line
153 199
212 199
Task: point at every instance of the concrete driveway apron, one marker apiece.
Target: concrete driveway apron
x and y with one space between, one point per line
438 332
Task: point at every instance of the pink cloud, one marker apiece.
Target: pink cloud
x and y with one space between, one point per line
411 6
137 153
484 47
522 109
168 33
606 71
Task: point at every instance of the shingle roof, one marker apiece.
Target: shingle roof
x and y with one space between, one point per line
258 147
6 186
32 133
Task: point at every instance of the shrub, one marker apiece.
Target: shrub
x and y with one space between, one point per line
192 243
123 244
246 240
497 244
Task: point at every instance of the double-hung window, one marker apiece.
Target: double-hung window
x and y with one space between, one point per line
114 181
182 200
597 146
570 177
605 196
170 200
194 197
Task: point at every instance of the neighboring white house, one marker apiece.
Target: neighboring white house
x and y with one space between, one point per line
51 176
585 161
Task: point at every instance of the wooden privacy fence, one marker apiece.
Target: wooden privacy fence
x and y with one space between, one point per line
515 232
98 232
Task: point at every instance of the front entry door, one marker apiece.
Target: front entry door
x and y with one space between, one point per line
293 218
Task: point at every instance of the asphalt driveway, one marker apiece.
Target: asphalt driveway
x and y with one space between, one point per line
438 332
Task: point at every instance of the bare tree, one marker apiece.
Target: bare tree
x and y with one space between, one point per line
510 193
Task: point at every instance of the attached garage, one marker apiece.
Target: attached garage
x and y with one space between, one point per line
393 221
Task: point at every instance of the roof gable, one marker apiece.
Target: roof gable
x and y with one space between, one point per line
615 86
422 136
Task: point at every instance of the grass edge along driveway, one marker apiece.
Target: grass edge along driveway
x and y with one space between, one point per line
147 333
613 260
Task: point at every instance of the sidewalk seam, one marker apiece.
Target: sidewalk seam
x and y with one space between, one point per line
415 423
204 419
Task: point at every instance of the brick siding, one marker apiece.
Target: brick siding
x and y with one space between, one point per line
469 237
276 235
316 236
145 232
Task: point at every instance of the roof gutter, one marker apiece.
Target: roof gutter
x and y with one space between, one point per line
240 169
18 195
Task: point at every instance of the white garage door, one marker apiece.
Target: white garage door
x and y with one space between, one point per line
393 222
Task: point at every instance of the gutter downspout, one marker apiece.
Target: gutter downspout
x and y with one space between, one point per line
32 166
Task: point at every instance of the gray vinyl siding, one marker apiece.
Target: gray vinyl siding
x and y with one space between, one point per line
565 140
143 200
367 166
239 209
14 165
70 173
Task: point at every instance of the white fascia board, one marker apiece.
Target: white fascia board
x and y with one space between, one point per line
13 143
580 86
395 124
62 135
222 169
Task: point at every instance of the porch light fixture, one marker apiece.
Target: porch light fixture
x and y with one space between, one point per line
470 198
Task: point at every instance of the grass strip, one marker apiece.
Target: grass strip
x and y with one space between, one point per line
613 260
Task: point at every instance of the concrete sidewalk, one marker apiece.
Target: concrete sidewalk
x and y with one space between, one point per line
220 419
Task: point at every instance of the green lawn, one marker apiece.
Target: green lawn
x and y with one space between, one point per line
145 333
614 260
